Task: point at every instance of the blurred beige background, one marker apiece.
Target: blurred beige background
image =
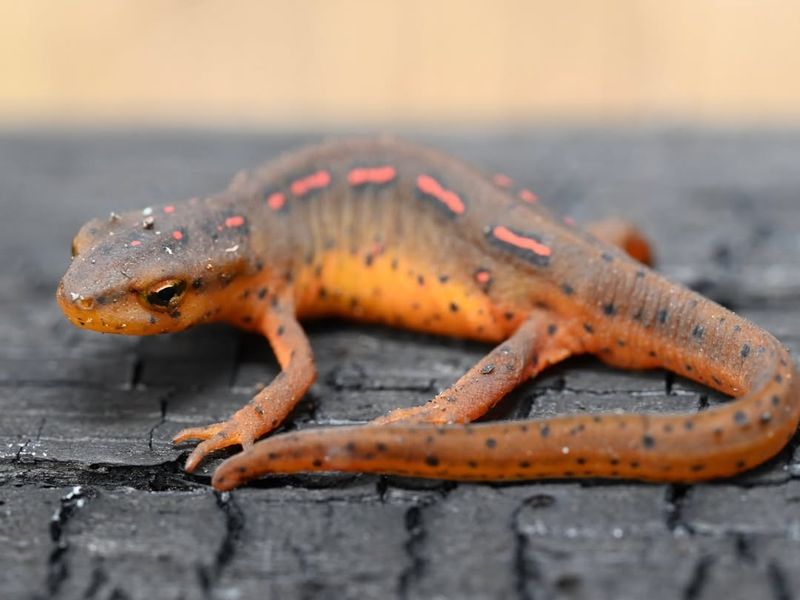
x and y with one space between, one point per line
306 63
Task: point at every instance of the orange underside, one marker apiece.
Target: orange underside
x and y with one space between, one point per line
399 292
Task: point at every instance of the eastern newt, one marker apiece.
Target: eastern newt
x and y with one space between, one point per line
386 231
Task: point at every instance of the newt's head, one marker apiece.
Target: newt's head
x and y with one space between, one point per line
153 271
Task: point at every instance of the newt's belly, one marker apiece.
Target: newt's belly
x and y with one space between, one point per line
379 287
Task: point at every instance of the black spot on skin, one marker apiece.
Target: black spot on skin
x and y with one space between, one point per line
472 464
640 274
368 260
247 319
662 316
487 369
776 401
431 461
580 460
524 464
544 430
350 447
597 419
652 353
280 330
551 329
634 464
648 441
688 367
745 351
152 320
316 462
698 468
698 331
491 442
637 316
607 257
453 307
609 309
613 461
778 378
588 328
509 316
444 278
197 283
323 293
737 328
740 464
381 447
577 429
740 417
262 293
567 289
420 280
765 417
688 425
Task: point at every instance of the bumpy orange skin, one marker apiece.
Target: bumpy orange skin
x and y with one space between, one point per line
388 232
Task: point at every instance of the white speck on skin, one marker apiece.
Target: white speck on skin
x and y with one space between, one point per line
148 211
168 249
565 450
232 248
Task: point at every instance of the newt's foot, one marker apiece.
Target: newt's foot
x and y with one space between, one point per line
241 429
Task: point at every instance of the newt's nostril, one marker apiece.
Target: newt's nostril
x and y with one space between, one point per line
84 303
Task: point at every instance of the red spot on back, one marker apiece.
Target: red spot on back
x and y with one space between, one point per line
169 209
364 175
315 181
276 201
502 180
528 196
569 220
504 234
483 277
177 235
136 243
428 185
234 221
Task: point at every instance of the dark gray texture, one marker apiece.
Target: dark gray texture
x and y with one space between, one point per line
93 501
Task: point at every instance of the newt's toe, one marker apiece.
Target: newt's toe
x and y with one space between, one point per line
197 433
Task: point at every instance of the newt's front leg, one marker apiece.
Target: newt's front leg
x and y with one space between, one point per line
274 403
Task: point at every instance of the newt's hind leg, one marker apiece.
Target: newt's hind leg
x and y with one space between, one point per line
270 406
624 235
532 347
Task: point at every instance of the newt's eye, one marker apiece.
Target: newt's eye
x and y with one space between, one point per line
165 295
